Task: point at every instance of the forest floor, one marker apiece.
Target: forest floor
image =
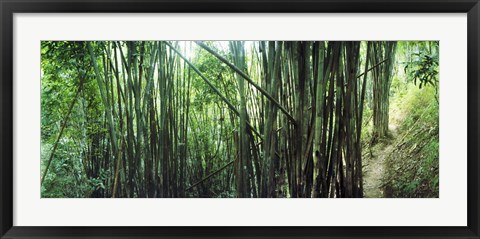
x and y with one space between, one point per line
374 164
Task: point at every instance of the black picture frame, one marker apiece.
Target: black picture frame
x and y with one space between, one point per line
9 7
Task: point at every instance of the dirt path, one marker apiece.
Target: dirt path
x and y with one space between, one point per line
374 166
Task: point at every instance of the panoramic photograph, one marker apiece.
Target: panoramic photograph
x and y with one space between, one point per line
239 119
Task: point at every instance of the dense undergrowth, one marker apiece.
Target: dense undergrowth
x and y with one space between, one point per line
412 167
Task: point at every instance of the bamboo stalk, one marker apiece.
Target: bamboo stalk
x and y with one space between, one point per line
230 105
241 73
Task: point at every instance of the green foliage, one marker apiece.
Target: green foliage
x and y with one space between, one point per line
66 178
366 133
423 68
216 71
413 166
64 64
98 182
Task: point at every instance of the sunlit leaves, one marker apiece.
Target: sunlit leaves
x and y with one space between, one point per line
423 69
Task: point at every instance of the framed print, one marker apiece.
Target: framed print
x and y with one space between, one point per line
246 119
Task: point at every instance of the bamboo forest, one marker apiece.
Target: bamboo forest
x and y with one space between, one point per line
239 119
